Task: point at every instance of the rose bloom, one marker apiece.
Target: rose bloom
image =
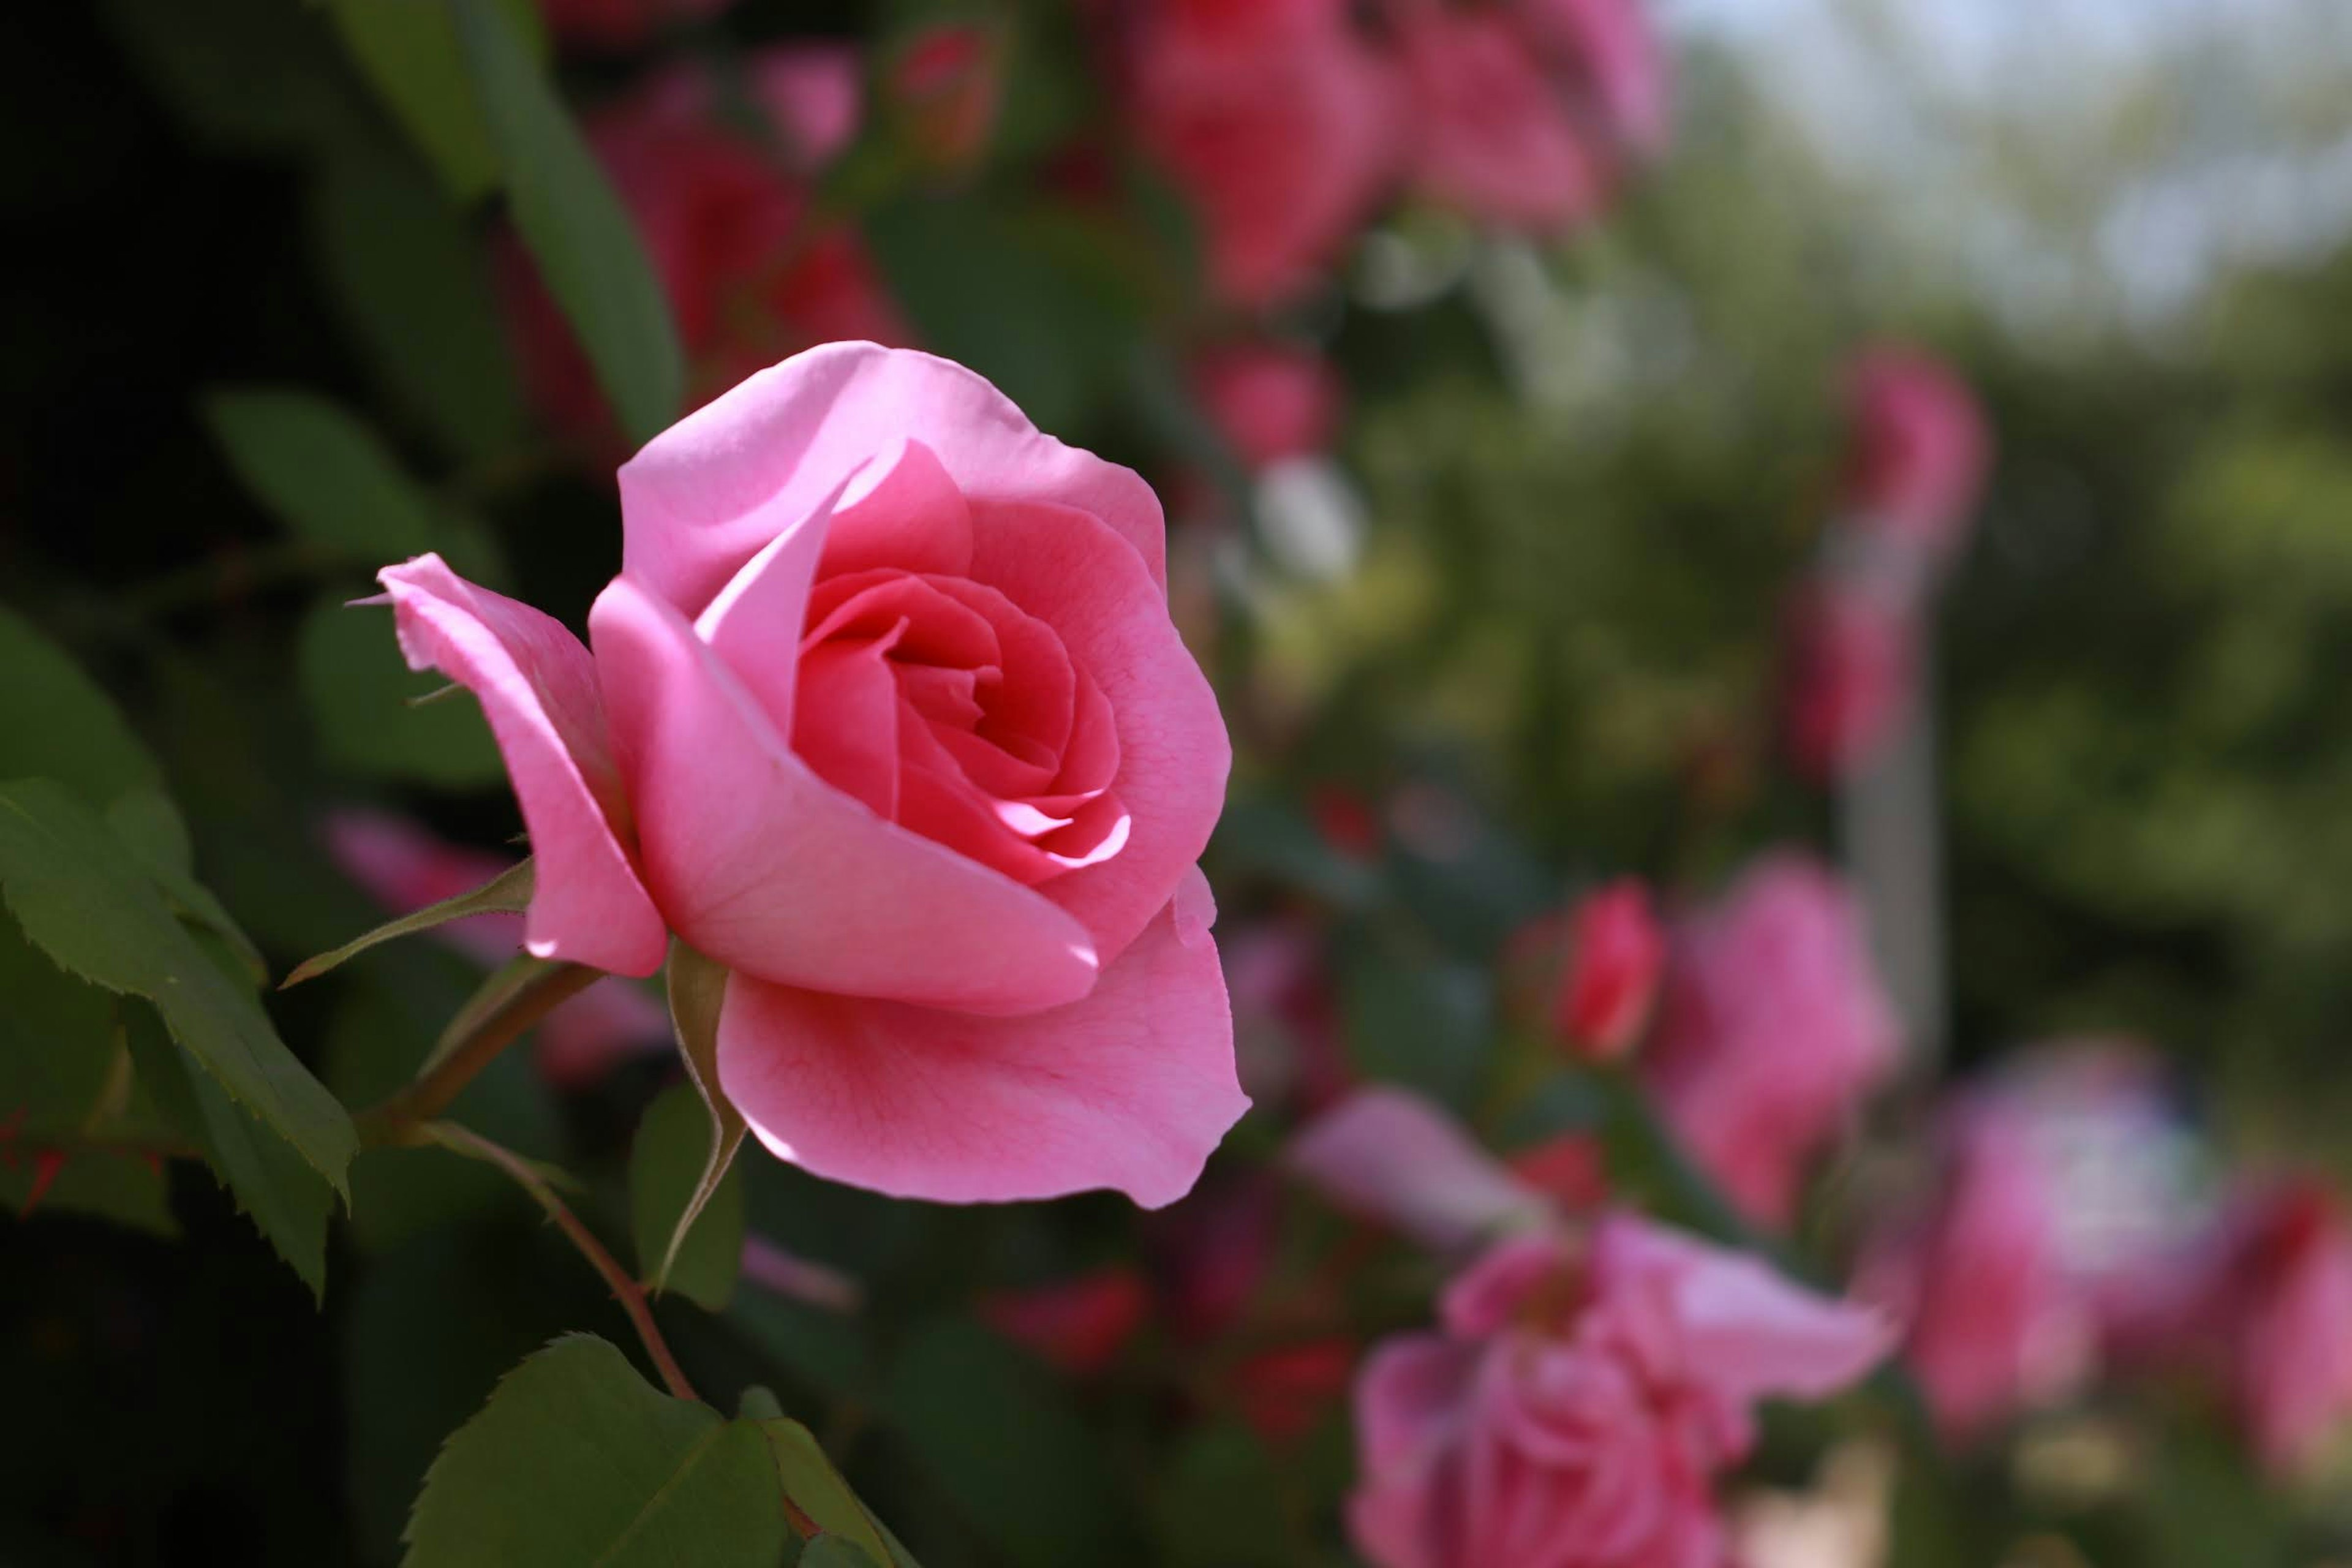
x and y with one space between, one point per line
1388 1156
728 220
1581 1399
1918 451
616 25
1524 113
1275 119
2261 1308
885 714
1851 676
1271 402
405 867
1772 1026
1998 1318
1616 955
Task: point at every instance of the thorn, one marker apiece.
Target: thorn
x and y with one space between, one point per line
46 1166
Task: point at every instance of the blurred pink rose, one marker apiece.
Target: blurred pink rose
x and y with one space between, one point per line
1852 657
945 83
1286 1020
1525 112
1270 402
885 715
1999 1318
1616 955
751 272
1581 1399
2261 1307
1274 119
1490 134
1078 1325
405 867
613 26
1280 1394
1388 1156
1917 450
1772 1027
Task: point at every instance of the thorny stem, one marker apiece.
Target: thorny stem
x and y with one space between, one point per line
625 1290
474 1041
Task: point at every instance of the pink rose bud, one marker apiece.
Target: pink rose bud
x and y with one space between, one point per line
1997 1319
1388 1156
405 867
1270 402
1078 1325
2262 1308
727 215
1918 452
1850 677
1616 954
1772 1027
1275 120
613 26
1581 1399
885 714
946 83
798 1279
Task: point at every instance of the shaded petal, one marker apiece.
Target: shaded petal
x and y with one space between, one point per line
902 511
1390 1156
538 688
768 869
1130 1088
1411 1397
754 625
848 729
1072 572
706 494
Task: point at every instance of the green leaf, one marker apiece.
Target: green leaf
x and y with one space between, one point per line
838 1551
509 892
1221 1505
688 1229
57 723
576 1460
818 1491
996 1434
83 901
285 1199
360 695
58 1041
323 474
574 227
411 282
698 986
409 54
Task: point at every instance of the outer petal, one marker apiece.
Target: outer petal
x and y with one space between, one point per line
1070 572
1411 1397
1129 1088
1748 1332
706 494
1387 1154
770 870
538 688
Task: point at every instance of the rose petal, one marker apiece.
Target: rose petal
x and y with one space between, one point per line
538 688
1072 572
848 722
706 494
903 510
754 625
1409 1397
1389 1155
766 868
1129 1088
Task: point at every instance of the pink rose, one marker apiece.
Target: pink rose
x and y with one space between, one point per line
728 219
1918 449
1771 1028
1581 1399
1616 954
405 867
1275 120
1078 1325
1270 402
1491 136
1606 54
1998 1317
2261 1307
885 715
613 25
1851 656
946 83
1388 1156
